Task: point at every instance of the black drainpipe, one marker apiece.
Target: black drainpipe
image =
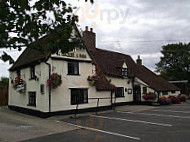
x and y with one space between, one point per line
133 86
111 99
49 86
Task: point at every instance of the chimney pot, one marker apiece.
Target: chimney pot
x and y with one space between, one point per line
139 61
91 29
86 28
89 38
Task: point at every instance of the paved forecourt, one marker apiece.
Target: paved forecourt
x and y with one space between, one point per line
165 123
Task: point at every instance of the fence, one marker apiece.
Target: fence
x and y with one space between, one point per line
3 96
97 104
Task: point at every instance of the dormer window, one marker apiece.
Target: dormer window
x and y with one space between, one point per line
124 72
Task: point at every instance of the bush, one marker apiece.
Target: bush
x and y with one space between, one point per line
164 101
175 100
4 81
149 96
182 97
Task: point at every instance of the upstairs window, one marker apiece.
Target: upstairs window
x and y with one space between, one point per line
79 96
73 68
119 92
32 72
124 72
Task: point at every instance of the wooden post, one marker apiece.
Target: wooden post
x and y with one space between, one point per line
97 106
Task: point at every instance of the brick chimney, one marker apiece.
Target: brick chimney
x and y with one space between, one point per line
89 38
139 61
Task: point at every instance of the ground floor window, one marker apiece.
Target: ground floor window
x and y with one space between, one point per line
119 92
165 93
32 99
144 90
173 92
79 96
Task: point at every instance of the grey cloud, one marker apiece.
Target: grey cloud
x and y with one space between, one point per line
148 20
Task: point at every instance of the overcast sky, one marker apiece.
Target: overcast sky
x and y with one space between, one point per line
133 27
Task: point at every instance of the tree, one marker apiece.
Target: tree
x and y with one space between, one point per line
24 21
175 63
4 81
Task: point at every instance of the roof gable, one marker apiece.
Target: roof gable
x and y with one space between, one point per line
124 65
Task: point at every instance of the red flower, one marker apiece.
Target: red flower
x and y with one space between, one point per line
55 80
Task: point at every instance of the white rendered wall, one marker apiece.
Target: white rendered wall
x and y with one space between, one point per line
126 84
171 94
142 84
61 96
22 100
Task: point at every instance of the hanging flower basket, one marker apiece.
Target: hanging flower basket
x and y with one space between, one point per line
19 84
149 96
18 81
54 81
92 79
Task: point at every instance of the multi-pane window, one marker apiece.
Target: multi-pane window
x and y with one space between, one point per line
119 92
165 93
124 72
32 99
144 90
32 72
79 96
73 68
173 92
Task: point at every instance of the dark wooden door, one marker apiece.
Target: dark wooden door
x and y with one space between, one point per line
137 93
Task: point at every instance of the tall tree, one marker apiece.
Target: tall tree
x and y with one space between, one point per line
175 63
24 21
4 81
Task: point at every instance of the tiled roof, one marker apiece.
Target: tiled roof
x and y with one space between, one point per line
154 81
111 63
103 84
29 56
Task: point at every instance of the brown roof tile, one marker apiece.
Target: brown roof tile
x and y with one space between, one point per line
29 56
111 63
154 81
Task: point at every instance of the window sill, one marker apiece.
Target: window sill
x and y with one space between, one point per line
73 74
31 79
31 105
121 97
79 104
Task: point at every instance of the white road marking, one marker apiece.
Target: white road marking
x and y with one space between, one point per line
106 132
176 116
24 127
137 121
171 111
